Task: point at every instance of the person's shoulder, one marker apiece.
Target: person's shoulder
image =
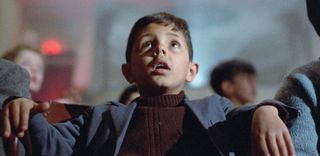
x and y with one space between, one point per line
306 75
5 64
211 101
8 67
210 109
4 61
303 81
308 68
109 105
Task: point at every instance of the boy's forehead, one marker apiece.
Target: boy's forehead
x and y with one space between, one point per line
153 28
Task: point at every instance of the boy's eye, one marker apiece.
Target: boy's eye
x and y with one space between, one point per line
175 44
147 44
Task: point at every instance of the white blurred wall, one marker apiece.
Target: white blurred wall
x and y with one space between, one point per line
10 20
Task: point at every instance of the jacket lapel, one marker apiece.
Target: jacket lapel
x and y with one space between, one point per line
121 117
206 110
96 120
103 117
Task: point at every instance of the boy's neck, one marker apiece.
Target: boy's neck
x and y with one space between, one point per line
159 92
170 100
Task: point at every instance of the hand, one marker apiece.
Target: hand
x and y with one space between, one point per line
15 115
269 134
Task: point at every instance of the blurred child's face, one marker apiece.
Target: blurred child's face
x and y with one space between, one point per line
160 61
33 63
244 88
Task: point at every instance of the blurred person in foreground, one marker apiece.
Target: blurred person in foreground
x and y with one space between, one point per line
34 61
301 89
30 59
14 82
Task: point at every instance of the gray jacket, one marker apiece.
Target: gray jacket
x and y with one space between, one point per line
101 131
14 81
301 90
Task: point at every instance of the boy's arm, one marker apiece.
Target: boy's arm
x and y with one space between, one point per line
14 81
47 139
234 134
55 139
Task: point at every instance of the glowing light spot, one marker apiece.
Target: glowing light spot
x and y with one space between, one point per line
51 47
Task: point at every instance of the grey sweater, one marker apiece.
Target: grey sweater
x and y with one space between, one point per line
301 90
14 81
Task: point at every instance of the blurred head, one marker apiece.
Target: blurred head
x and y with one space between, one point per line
129 94
159 55
32 60
236 80
313 7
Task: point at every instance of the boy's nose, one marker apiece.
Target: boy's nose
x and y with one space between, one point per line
159 51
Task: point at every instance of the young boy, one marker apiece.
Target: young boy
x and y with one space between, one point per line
162 121
236 80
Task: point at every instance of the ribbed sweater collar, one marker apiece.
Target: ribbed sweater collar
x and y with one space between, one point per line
162 100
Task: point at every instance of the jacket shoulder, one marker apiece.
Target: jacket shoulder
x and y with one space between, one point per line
302 82
101 108
215 101
14 80
210 110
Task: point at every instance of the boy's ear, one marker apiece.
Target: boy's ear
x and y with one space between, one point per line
126 71
193 70
226 87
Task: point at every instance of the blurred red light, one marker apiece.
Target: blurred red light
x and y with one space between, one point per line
51 47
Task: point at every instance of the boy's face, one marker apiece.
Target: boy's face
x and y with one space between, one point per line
242 89
160 61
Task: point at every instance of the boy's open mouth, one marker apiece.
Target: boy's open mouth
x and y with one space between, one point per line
161 68
162 65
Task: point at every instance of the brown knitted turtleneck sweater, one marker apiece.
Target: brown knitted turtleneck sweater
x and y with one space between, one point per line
158 127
